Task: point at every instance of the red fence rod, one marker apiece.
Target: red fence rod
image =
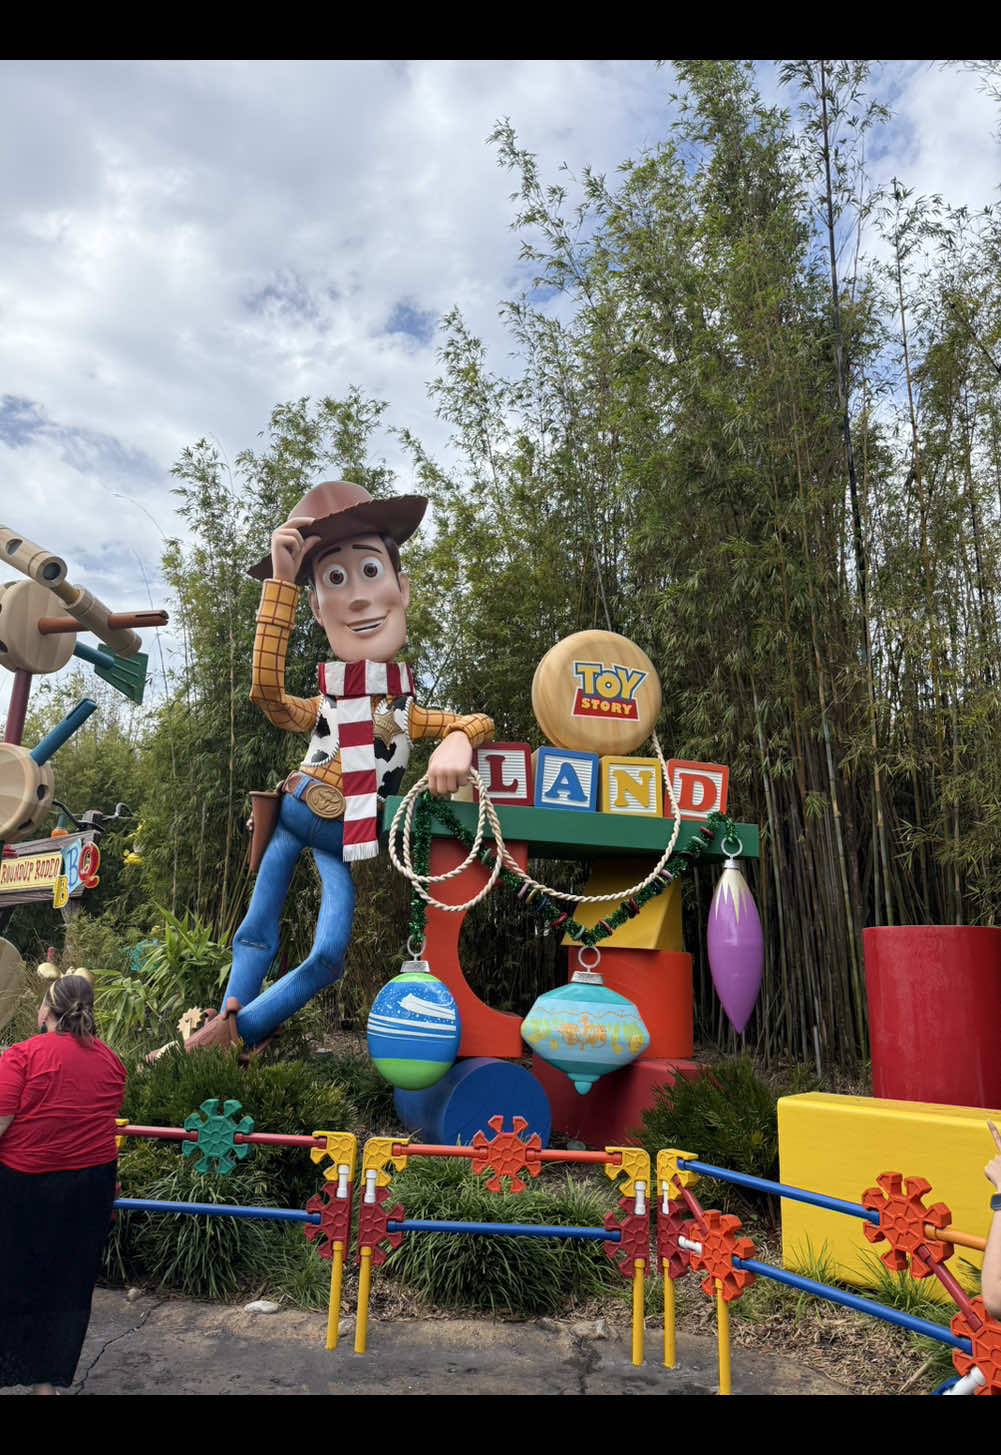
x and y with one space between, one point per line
167 1134
614 1161
279 1139
263 1139
404 1149
421 1149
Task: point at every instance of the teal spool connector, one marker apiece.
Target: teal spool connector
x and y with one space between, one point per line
54 740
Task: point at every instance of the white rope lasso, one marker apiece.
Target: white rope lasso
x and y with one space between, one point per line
502 856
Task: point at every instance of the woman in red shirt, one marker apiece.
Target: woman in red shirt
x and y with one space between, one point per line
59 1096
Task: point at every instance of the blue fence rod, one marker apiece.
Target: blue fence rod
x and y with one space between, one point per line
517 1230
794 1194
851 1300
218 1209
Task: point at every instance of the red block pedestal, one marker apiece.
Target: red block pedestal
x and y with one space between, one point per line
612 1110
485 1031
934 994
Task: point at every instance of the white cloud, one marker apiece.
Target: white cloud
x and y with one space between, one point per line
188 243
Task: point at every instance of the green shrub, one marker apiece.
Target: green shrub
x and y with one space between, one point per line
180 967
523 1275
280 1097
369 1093
728 1117
294 1272
191 1253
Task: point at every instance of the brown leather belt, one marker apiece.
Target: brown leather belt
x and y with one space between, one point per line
324 799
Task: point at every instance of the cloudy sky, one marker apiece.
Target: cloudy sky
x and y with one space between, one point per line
187 243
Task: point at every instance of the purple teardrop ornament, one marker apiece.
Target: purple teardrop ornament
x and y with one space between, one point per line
735 945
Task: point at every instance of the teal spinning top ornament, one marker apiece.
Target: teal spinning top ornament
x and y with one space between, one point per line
584 1029
414 1027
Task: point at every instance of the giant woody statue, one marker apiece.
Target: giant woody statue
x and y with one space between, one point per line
344 547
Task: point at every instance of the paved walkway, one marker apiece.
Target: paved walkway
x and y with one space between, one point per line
152 1346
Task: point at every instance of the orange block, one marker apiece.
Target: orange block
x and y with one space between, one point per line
659 984
485 1031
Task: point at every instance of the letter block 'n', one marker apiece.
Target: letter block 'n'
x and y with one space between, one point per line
631 785
506 770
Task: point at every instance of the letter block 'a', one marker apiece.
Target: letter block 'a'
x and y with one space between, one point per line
566 779
631 785
506 770
700 788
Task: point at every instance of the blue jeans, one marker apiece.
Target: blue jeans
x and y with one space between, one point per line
255 944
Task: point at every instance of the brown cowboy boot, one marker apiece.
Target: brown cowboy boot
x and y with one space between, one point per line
218 1030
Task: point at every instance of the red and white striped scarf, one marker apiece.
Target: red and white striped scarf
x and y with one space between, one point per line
353 685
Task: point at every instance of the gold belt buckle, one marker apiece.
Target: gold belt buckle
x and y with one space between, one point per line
325 800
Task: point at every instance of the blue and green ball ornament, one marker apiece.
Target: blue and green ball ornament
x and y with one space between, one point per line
414 1030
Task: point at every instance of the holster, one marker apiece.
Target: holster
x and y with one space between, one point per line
264 810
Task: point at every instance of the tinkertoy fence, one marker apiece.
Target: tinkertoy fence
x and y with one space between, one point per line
220 1139
688 1237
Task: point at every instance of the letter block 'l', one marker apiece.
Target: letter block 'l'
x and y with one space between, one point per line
506 770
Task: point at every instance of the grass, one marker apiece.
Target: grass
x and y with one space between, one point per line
509 1274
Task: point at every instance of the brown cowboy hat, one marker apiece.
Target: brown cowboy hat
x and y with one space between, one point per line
339 509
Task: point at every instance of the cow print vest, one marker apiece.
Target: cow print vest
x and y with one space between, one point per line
392 720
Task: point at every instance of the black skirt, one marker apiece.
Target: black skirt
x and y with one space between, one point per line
53 1226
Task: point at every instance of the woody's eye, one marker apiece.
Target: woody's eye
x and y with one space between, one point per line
334 576
372 568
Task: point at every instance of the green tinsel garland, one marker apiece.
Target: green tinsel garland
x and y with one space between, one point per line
679 863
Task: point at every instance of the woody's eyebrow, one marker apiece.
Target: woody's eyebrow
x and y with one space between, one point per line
356 547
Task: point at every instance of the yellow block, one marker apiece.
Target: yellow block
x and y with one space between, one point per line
658 924
839 1145
631 785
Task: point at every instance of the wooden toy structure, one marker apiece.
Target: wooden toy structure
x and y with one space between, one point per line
37 637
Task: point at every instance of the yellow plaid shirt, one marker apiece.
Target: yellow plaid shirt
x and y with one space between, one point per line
275 619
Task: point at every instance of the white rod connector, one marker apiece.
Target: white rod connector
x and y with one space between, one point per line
968 1384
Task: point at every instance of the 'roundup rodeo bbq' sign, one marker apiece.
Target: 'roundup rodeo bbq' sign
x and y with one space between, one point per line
49 868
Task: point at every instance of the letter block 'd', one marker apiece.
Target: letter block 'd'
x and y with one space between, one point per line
506 769
631 785
565 779
700 788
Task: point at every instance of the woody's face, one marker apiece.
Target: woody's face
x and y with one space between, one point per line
359 601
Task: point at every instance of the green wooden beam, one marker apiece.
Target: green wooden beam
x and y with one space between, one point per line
554 833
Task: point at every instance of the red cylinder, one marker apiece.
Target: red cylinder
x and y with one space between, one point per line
934 994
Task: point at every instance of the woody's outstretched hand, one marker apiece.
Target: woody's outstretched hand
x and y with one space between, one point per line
289 546
449 764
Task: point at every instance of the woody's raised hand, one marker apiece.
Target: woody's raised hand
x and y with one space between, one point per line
288 547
